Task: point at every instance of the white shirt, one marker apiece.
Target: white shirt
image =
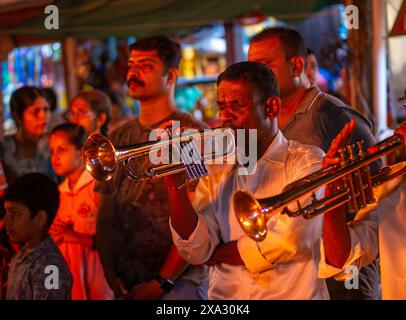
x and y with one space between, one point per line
381 229
284 265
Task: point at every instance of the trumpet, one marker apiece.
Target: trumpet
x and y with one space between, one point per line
356 191
102 157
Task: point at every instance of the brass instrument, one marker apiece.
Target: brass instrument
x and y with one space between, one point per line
402 100
356 193
102 157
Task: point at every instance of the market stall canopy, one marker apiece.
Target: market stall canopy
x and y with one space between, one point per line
399 27
100 18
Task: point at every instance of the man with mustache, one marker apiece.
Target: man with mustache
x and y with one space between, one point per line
133 234
284 265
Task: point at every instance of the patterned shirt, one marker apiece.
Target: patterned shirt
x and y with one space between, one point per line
32 277
141 237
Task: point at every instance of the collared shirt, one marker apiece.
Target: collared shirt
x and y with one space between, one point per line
318 119
41 275
140 232
79 205
284 265
379 230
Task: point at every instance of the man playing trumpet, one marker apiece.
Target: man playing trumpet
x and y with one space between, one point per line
284 265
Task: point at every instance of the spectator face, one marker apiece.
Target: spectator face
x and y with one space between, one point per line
271 53
80 113
35 118
65 158
147 77
20 226
312 69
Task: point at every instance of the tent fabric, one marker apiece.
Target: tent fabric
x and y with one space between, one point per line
399 26
100 18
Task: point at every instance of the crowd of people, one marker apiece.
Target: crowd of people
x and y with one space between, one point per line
168 238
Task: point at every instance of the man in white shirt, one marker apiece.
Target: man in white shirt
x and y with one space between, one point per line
378 229
284 265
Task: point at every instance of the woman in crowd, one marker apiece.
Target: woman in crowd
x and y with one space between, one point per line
27 151
91 110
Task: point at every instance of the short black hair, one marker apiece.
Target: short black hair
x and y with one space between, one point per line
76 134
22 98
292 40
50 95
254 73
99 103
37 192
168 50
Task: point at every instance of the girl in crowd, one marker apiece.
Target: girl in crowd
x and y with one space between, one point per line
27 151
74 227
91 110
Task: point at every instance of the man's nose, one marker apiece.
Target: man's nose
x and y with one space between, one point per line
6 219
134 69
227 113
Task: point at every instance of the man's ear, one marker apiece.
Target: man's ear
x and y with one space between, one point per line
272 107
172 75
41 219
101 119
298 65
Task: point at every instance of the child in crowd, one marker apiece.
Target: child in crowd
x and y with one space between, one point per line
91 110
38 271
75 225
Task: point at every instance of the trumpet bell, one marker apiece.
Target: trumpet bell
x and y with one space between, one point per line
100 157
250 215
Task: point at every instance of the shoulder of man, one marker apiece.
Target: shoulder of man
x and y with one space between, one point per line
335 108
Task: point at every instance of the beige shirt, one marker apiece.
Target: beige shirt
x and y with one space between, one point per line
284 265
381 229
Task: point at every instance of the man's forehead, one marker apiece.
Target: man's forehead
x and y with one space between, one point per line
138 55
233 88
267 46
9 204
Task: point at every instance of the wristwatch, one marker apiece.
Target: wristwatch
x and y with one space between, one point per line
165 284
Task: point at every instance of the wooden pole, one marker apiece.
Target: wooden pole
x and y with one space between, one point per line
69 54
380 99
233 35
1 110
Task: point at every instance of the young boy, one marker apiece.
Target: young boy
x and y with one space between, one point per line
38 271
